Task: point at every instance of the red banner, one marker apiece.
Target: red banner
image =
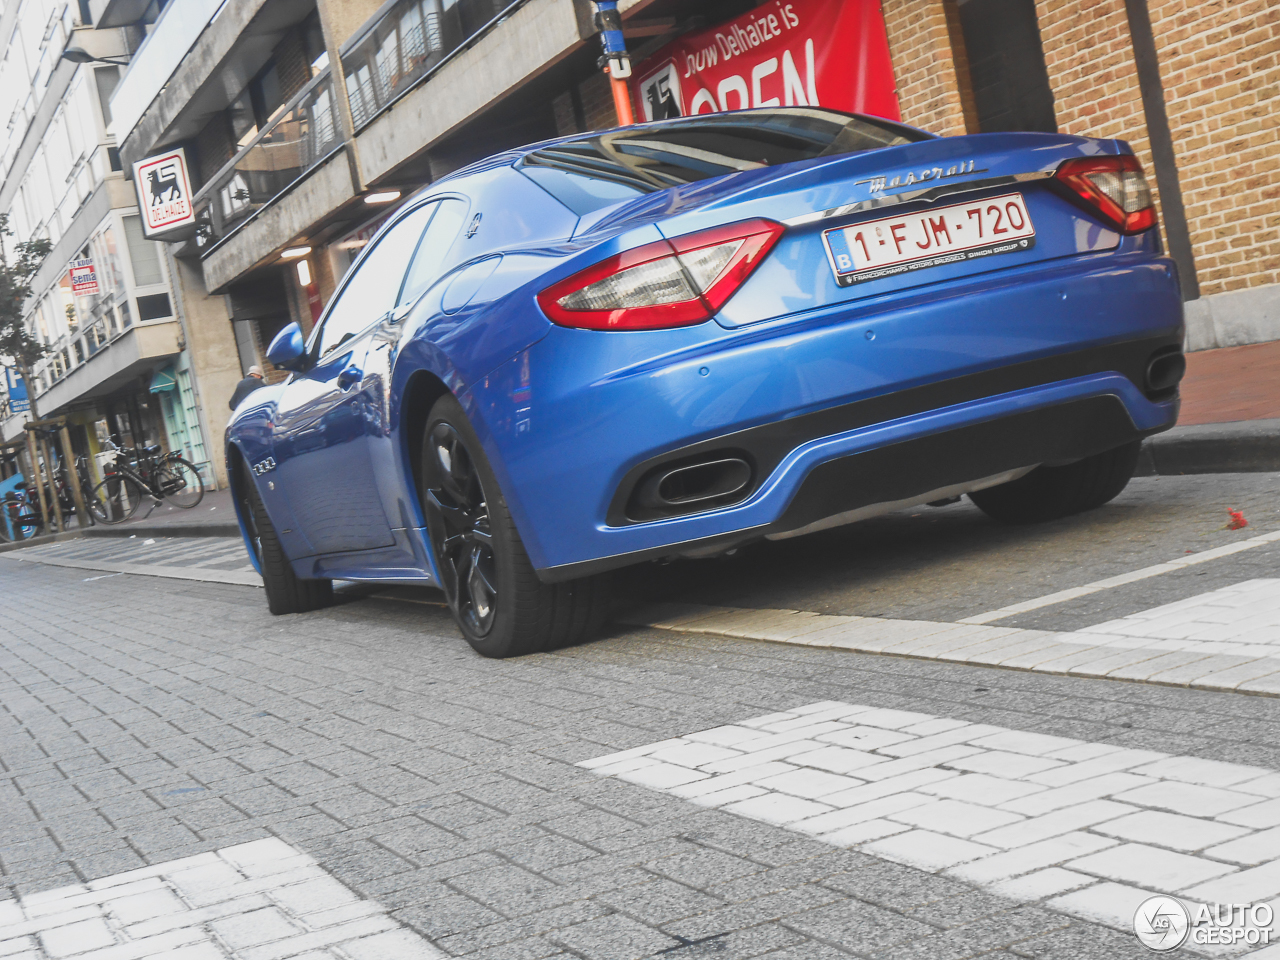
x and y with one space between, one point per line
829 53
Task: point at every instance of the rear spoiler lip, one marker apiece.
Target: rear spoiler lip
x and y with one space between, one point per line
927 195
930 194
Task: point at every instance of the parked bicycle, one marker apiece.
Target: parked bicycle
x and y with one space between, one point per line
20 517
139 473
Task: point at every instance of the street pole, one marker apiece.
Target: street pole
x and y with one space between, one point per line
73 475
53 486
34 477
615 62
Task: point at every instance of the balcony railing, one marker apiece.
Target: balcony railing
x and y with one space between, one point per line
76 347
395 51
303 133
406 43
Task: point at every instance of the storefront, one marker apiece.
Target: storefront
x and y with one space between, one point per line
174 392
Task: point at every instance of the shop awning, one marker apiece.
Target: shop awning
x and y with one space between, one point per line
163 379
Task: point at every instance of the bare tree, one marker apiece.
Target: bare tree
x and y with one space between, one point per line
15 289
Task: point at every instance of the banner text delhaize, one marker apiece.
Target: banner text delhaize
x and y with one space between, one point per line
829 53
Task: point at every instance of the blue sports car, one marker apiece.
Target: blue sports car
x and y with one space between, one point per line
674 338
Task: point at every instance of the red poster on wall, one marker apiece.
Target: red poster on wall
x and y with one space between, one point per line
829 53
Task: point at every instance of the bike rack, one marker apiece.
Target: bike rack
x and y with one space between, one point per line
41 473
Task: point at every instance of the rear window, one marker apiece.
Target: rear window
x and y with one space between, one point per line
600 170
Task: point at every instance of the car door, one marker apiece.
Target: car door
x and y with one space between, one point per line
429 261
320 438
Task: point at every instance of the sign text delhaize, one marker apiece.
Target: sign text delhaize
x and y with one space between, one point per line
84 281
829 53
164 192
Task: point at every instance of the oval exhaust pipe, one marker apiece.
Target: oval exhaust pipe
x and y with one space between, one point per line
1165 371
688 487
702 481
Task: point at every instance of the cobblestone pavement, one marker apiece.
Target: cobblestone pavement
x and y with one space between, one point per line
148 720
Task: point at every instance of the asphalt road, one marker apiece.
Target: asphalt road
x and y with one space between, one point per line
148 719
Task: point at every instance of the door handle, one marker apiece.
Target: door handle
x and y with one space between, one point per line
350 377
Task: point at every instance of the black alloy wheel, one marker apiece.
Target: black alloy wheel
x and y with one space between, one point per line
465 542
496 598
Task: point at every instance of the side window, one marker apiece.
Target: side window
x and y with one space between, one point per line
371 291
428 259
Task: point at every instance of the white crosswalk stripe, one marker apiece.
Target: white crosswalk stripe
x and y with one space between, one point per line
255 901
1089 829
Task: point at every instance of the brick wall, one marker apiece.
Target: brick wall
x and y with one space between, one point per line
1091 70
597 102
1218 63
293 66
596 98
920 45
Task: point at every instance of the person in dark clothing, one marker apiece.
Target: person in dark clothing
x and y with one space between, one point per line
246 386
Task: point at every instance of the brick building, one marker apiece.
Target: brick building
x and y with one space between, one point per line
1218 65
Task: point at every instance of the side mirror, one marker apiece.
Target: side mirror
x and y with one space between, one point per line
288 350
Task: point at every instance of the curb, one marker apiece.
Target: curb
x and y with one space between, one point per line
137 530
1242 446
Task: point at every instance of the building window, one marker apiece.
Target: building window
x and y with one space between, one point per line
144 254
154 307
1007 71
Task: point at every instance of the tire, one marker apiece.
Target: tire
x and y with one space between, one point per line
115 499
1049 493
497 600
286 591
180 483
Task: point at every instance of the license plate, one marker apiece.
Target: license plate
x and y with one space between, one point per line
965 231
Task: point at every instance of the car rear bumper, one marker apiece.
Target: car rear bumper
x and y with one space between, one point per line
898 463
949 394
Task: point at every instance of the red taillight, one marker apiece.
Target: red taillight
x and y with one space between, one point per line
673 283
1114 187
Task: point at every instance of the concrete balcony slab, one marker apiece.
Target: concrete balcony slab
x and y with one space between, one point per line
122 360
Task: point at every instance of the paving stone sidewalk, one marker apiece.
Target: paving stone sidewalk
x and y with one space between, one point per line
147 720
1083 828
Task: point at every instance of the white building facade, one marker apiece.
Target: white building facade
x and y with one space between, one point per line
117 362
